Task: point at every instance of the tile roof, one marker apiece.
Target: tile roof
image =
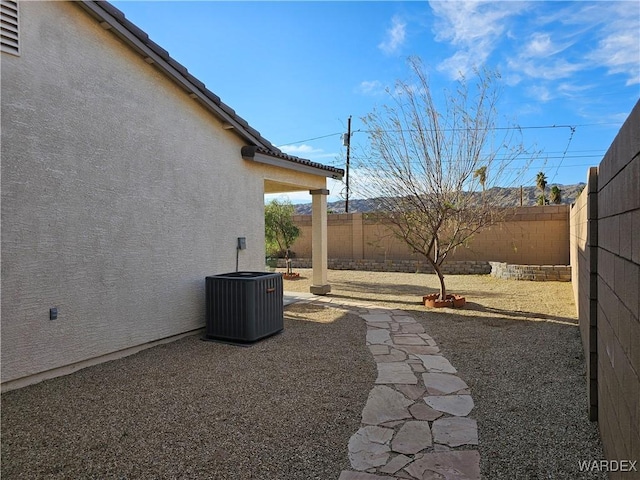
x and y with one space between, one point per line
113 19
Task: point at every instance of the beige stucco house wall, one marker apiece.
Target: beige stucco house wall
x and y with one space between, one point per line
121 191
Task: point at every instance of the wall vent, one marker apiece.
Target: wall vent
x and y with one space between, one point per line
9 30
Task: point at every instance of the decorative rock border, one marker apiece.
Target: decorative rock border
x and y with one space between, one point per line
415 423
460 267
537 273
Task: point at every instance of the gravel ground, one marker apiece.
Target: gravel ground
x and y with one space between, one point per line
517 345
284 408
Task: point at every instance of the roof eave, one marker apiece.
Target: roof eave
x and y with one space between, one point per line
252 154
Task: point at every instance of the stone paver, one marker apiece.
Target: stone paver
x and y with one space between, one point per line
458 405
419 349
455 431
379 349
408 339
396 372
396 464
376 317
412 328
412 392
346 475
378 336
394 355
443 383
421 411
460 465
437 364
385 405
415 419
369 447
418 368
413 437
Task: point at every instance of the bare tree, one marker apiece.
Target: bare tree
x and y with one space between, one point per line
428 162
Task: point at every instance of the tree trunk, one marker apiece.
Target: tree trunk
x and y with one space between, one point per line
436 268
443 290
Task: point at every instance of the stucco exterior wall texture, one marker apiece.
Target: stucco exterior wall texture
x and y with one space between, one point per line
529 236
119 195
613 289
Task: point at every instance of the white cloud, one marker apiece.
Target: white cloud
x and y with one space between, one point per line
541 45
574 90
618 38
474 27
591 35
548 70
395 37
619 52
310 153
300 150
549 48
540 93
373 87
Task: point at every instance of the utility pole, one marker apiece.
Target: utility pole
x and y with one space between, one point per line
347 143
521 195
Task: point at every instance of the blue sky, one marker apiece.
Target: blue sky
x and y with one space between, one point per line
296 70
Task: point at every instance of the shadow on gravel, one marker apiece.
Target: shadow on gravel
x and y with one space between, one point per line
519 315
382 289
397 303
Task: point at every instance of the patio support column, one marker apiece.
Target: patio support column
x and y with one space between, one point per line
319 285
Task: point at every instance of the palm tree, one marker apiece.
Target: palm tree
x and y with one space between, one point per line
541 183
556 195
481 175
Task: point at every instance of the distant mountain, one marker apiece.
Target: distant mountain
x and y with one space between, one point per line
506 197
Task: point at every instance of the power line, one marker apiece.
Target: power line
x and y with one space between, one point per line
310 139
419 162
573 131
529 127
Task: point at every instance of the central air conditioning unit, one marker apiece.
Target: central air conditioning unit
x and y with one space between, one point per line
243 307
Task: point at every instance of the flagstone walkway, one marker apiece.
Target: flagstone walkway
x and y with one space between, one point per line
415 424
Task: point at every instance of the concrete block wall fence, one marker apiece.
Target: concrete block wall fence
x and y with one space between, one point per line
527 236
605 259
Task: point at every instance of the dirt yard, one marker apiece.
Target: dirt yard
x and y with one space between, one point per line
517 345
285 408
